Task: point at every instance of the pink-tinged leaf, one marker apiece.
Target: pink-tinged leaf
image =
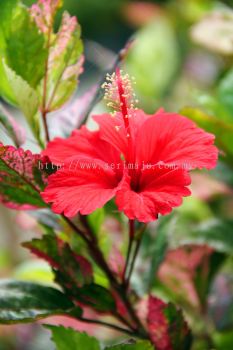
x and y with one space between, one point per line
13 129
180 269
60 256
167 328
21 178
65 62
64 36
43 13
73 272
65 59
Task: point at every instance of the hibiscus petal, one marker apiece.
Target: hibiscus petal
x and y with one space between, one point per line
112 128
159 191
82 143
174 139
81 186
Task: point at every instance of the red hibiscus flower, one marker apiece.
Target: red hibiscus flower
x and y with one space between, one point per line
141 160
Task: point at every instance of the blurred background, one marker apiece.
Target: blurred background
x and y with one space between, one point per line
182 59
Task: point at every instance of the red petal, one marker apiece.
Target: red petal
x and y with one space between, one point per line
172 138
82 186
159 191
82 143
112 128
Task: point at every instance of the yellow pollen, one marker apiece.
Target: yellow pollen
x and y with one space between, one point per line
111 95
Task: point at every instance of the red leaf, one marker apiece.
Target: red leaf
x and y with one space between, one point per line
167 328
158 324
21 178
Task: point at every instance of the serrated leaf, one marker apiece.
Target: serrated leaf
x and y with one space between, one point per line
13 129
65 62
132 345
43 13
75 268
65 58
26 48
22 302
21 45
26 98
167 328
20 178
72 270
67 339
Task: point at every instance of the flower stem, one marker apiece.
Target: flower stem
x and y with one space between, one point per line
138 244
120 290
109 325
131 238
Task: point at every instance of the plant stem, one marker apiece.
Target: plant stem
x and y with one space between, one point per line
44 115
131 238
100 260
44 98
138 244
108 325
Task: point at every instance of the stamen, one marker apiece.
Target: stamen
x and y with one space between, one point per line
120 97
119 93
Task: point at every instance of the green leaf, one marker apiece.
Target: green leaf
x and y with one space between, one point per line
22 302
97 297
13 129
96 220
149 61
6 14
132 345
93 295
20 189
225 92
26 98
37 271
67 339
155 248
21 45
215 233
223 340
